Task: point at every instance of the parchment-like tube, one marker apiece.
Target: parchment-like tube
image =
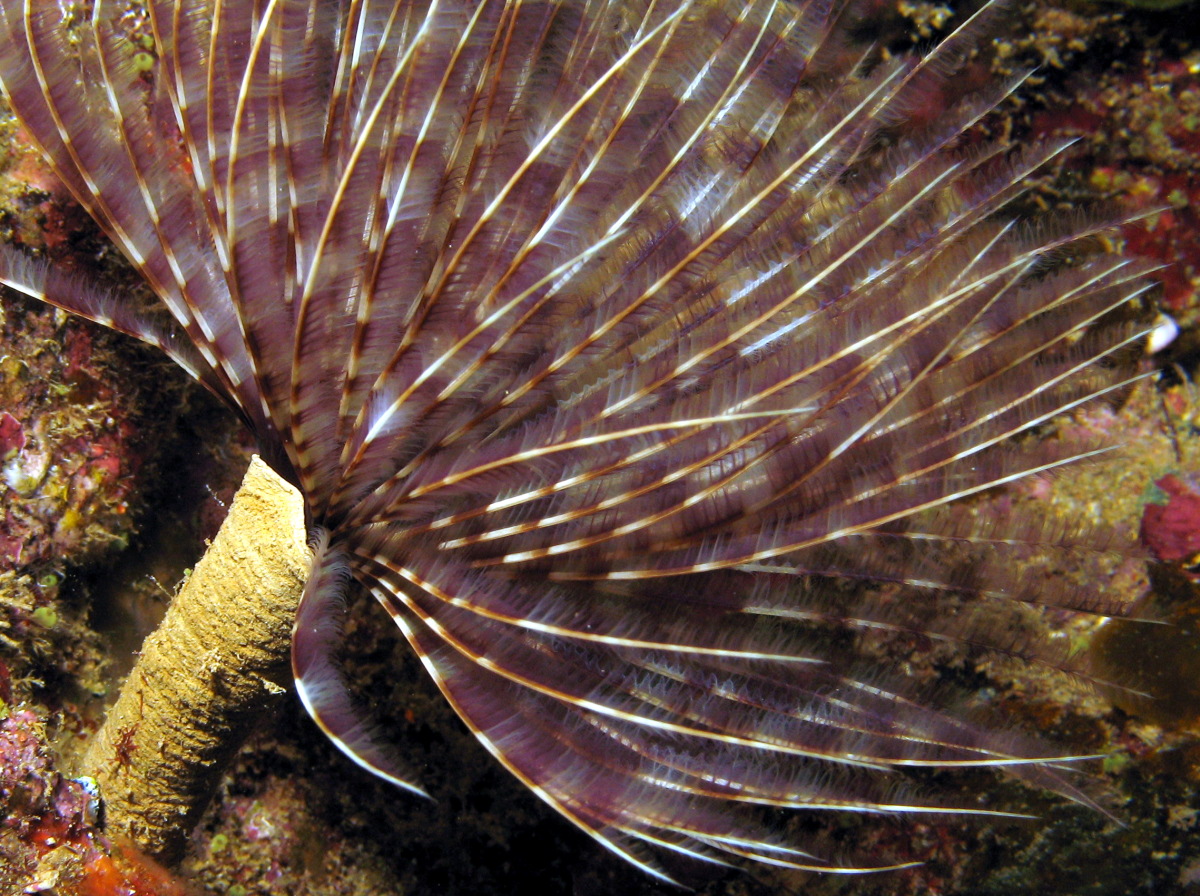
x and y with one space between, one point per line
216 666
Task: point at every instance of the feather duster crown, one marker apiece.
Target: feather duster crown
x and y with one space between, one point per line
617 349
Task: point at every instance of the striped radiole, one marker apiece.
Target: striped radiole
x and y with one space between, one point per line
640 357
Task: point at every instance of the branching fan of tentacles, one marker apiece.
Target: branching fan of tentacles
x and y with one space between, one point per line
637 356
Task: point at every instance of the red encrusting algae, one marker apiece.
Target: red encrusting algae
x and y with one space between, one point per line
50 839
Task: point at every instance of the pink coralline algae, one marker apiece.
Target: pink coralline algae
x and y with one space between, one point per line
12 436
49 839
1171 529
1140 130
71 446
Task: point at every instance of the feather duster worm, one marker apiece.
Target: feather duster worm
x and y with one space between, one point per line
617 349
